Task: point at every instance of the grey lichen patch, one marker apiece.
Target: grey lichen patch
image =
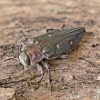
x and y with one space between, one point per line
57 46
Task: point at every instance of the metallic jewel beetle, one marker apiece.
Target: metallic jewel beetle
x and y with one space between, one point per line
50 46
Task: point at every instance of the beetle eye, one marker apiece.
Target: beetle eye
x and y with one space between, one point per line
24 58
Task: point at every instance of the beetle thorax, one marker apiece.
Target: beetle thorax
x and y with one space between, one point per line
34 53
30 55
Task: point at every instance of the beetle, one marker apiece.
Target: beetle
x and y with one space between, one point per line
49 46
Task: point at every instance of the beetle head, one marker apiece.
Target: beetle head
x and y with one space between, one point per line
29 55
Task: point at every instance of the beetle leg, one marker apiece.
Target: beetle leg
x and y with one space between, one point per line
49 30
40 69
45 64
87 61
64 56
81 58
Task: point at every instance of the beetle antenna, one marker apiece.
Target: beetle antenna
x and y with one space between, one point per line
25 37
